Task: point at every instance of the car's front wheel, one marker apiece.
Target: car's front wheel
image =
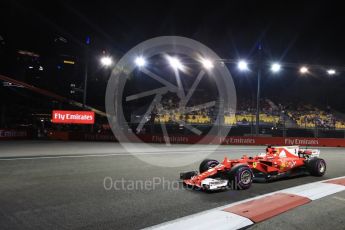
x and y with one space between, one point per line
207 164
241 177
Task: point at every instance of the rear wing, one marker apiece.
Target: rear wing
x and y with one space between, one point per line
295 150
311 152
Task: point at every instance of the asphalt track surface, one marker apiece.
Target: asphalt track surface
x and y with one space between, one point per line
60 185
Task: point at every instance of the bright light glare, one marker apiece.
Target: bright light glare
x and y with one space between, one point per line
242 65
331 71
175 63
106 61
275 67
207 63
140 61
303 70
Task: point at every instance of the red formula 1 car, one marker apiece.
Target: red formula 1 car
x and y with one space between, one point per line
276 163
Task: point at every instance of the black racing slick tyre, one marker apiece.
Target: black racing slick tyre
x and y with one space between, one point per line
207 164
316 166
240 177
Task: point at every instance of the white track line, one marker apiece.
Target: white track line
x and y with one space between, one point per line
195 151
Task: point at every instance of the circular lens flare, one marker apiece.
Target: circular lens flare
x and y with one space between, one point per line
275 67
208 64
106 61
175 63
140 61
303 70
242 65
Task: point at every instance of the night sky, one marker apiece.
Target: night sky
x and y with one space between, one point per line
297 32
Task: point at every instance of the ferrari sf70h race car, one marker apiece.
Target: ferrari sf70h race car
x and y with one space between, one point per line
277 162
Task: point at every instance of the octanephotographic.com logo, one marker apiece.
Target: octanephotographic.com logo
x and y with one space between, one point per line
154 183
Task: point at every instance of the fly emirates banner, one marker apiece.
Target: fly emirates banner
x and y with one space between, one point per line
73 117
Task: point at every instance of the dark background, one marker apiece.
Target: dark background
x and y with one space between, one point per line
301 32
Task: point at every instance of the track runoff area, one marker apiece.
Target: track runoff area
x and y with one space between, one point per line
70 185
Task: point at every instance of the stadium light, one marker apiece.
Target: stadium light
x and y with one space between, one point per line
242 65
331 72
303 70
140 61
275 67
175 63
207 63
106 61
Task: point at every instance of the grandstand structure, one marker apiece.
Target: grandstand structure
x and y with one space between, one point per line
305 116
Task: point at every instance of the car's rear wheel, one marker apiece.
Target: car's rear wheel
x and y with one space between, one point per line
207 164
241 177
317 166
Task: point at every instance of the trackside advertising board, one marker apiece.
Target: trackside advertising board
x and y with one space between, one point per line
11 134
73 117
